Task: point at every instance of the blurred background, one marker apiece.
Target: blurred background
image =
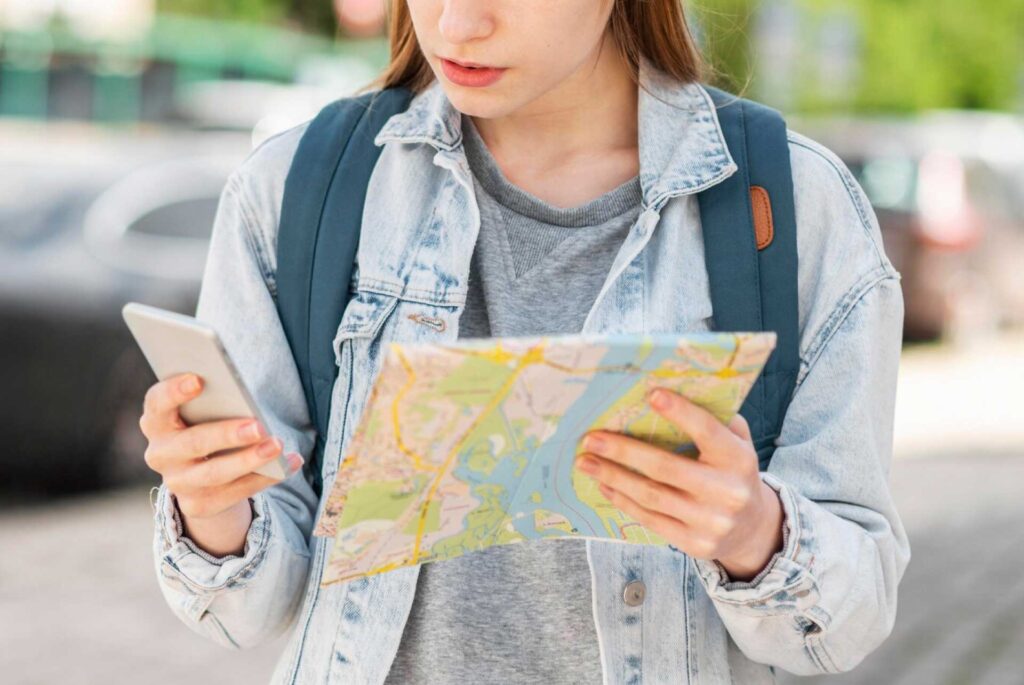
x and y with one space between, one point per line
121 119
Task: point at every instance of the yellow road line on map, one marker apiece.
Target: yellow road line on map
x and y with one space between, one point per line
416 459
729 371
534 355
501 356
496 354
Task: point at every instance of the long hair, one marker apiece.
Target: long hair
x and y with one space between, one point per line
655 29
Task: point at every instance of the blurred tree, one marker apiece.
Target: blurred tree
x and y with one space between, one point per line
723 29
315 15
310 15
941 53
909 54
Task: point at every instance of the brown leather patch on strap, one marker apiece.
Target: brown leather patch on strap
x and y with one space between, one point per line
764 230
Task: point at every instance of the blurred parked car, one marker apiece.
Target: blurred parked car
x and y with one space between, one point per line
91 218
948 189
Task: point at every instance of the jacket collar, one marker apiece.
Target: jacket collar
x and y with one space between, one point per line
681 146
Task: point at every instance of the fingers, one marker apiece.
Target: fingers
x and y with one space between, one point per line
658 464
201 440
160 405
204 439
205 487
740 428
700 424
226 468
654 495
681 534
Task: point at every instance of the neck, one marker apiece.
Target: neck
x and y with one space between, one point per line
590 114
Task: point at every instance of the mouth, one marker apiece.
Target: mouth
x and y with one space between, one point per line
470 74
468 64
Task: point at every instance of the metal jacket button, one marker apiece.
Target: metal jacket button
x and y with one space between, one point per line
634 593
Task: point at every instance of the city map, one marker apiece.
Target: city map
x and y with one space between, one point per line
471 443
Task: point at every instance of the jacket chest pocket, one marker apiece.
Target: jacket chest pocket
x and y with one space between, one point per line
371 321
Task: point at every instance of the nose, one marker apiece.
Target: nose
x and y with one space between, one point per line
463 21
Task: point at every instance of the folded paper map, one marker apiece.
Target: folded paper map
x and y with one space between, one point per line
471 443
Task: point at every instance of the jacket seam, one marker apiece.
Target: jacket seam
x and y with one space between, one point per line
813 655
251 238
689 578
312 596
220 627
417 295
849 183
847 303
816 647
710 103
313 587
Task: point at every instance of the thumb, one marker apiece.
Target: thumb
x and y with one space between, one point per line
739 426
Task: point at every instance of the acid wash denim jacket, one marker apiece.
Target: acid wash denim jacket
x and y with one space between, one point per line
826 600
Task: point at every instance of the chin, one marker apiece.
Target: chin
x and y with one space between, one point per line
487 103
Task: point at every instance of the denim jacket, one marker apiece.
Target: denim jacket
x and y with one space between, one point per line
821 604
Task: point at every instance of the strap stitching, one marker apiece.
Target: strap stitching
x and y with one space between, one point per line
316 241
742 118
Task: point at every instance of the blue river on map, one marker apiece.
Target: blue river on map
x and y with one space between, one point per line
550 465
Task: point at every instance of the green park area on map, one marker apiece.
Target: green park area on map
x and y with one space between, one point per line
470 444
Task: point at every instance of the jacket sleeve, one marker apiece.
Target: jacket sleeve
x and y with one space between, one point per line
828 598
243 601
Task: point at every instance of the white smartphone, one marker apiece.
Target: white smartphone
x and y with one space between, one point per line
174 343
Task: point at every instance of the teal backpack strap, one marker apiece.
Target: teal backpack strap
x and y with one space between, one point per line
753 271
321 215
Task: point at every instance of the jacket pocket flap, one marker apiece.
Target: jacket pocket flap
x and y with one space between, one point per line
363 317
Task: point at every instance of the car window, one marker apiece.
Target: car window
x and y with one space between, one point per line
995 192
889 182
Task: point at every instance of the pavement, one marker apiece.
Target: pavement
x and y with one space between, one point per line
79 601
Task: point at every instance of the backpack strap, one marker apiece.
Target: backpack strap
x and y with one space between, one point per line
321 215
749 228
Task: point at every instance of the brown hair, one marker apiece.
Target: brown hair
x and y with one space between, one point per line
656 29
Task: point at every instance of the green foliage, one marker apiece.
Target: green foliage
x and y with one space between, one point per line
912 54
941 53
723 27
310 15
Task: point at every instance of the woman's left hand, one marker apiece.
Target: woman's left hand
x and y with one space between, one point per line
713 507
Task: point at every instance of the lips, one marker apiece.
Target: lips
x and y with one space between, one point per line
464 63
470 74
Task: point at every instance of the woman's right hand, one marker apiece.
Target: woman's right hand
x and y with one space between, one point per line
212 493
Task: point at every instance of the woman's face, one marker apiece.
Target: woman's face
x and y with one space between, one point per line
540 45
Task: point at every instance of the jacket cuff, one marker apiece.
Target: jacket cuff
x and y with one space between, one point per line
786 585
187 568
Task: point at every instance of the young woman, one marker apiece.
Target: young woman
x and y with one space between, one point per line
553 192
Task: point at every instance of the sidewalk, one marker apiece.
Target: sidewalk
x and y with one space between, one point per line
965 400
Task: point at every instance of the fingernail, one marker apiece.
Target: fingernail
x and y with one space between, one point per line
295 462
658 398
587 464
189 385
594 444
253 431
269 448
